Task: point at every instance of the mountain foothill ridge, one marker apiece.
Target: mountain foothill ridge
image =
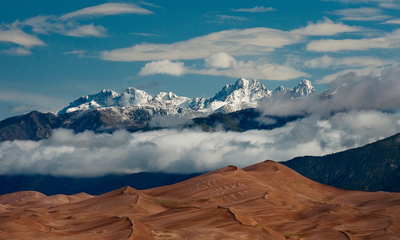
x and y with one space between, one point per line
133 110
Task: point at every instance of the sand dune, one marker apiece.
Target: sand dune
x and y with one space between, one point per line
263 201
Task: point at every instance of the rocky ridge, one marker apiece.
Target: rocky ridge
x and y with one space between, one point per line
243 94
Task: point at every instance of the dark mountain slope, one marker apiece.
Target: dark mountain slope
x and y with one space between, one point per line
374 167
37 126
32 126
51 185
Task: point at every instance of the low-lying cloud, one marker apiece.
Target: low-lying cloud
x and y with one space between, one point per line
185 151
379 90
357 111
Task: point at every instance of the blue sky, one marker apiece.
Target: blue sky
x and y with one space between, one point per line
52 52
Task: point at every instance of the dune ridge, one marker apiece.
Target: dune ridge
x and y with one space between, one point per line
263 201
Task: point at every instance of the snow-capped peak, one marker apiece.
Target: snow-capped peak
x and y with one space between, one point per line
242 85
244 93
165 96
304 88
133 96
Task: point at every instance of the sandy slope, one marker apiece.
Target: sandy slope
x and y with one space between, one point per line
263 201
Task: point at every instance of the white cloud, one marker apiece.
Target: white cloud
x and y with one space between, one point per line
235 18
88 154
361 89
325 28
355 73
388 41
107 9
79 53
219 60
222 64
255 9
87 31
327 62
363 109
371 89
237 42
393 21
163 67
51 24
17 36
251 41
146 34
381 3
62 25
254 69
18 51
361 14
23 108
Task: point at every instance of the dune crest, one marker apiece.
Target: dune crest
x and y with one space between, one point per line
263 201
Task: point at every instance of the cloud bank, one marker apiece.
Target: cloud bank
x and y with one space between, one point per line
357 111
369 90
87 154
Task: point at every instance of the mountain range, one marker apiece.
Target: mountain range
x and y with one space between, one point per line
243 94
135 110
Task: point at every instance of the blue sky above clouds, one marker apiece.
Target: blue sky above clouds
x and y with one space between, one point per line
52 52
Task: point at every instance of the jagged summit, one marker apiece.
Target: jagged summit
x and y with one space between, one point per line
244 93
303 89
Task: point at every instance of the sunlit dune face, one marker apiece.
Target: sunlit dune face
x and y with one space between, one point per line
263 201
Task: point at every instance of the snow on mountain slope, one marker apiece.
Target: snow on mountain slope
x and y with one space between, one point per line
244 93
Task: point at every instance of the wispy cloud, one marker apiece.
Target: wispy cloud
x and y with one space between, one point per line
361 14
251 41
79 53
17 51
222 64
328 62
388 41
235 18
66 25
325 28
381 3
17 36
393 21
35 101
107 9
216 17
371 71
255 9
87 30
52 24
146 34
236 42
23 108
